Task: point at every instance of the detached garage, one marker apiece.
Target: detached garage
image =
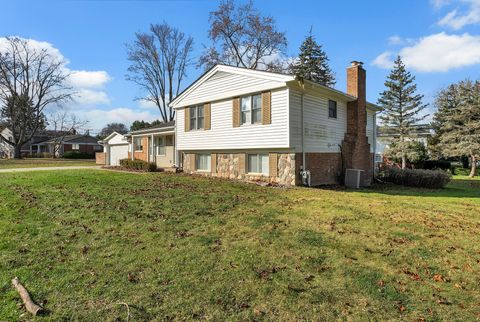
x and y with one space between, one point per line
115 148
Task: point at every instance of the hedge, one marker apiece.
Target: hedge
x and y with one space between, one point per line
139 165
434 179
78 155
435 164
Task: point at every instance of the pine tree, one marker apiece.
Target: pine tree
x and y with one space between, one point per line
312 63
457 121
401 108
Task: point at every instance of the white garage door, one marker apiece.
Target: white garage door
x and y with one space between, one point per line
118 152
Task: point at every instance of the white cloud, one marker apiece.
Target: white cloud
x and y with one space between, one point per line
89 79
85 83
98 118
395 40
90 97
437 53
457 18
147 104
384 60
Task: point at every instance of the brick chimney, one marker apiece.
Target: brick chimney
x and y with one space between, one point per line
355 147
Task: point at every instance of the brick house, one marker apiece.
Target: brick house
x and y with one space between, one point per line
255 125
79 142
154 144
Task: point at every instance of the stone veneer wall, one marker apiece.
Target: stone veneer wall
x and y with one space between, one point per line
228 165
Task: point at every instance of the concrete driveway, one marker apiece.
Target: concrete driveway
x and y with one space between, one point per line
49 168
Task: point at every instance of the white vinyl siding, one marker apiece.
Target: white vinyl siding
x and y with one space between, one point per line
203 162
371 129
224 85
223 136
322 134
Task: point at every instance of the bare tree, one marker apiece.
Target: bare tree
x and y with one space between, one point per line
159 59
63 123
242 37
30 80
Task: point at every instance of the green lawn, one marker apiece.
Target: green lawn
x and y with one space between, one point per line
177 247
42 162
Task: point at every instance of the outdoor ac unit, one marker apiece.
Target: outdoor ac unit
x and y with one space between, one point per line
353 177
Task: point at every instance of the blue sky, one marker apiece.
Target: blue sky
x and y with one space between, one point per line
440 40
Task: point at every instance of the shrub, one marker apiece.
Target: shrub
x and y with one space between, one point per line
434 179
435 164
78 155
139 165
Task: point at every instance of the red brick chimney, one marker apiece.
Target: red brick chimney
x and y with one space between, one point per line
355 147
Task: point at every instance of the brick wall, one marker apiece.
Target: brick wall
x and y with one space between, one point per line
325 168
101 158
141 155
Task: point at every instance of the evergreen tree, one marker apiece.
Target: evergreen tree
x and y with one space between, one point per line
457 121
312 63
401 108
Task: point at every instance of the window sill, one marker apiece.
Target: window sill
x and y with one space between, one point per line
258 174
203 171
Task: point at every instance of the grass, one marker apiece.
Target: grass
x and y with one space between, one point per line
42 162
177 247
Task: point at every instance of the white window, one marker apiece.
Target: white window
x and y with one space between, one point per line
251 108
138 144
258 163
203 162
197 117
75 146
161 149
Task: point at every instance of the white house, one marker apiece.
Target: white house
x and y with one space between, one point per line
255 125
6 143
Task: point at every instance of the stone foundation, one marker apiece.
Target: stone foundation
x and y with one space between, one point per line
233 166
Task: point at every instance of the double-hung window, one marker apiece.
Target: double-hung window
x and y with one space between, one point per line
203 162
258 163
75 146
138 144
197 117
332 109
251 109
161 150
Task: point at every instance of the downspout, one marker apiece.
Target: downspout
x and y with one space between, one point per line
304 173
133 148
374 143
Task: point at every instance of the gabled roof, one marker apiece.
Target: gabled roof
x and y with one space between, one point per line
111 135
162 127
272 76
77 138
4 139
285 79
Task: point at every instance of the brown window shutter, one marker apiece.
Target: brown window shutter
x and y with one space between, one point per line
267 107
242 163
207 114
213 165
193 163
236 112
187 119
273 164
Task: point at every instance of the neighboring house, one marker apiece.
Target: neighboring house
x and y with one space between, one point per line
255 125
154 144
385 136
115 148
6 143
79 142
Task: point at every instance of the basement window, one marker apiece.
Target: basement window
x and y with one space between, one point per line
258 163
332 109
203 162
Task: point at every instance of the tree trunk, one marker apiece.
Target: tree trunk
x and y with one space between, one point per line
473 170
404 162
17 152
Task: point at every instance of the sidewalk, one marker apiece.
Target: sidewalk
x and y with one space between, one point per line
49 168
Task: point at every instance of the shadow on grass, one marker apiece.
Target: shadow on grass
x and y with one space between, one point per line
457 188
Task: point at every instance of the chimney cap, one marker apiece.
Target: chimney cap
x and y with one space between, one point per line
356 63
